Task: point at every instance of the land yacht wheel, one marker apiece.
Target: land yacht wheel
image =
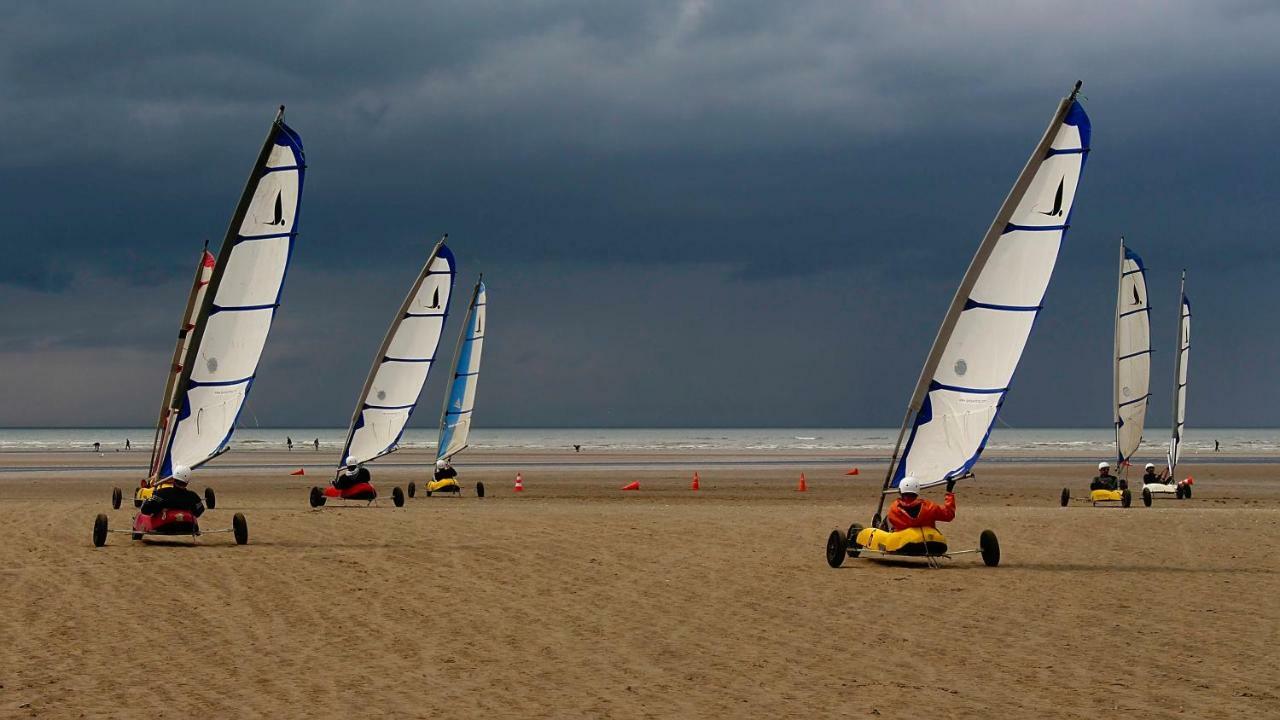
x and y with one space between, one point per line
100 529
1126 498
210 500
397 497
851 540
836 548
990 546
1186 492
116 497
1146 497
479 489
413 489
240 528
1066 496
317 497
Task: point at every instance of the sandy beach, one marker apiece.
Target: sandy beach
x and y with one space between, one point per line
574 599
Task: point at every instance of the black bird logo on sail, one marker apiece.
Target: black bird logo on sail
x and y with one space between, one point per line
435 300
1057 200
279 217
1136 300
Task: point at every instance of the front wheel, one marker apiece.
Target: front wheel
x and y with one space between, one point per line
1066 496
116 497
851 540
837 546
100 529
240 528
317 497
413 489
210 500
397 497
1146 497
1126 498
479 489
990 546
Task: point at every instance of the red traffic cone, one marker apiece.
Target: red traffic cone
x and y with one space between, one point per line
299 471
852 472
633 485
694 486
803 486
1190 480
519 483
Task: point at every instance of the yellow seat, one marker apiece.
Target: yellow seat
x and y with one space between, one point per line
912 541
445 485
1104 495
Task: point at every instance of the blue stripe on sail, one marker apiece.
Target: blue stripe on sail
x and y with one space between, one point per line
971 304
218 383
1135 312
935 385
1134 354
283 168
1129 254
1135 400
240 308
1033 228
270 236
1079 119
1065 151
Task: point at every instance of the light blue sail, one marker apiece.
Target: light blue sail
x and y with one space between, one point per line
455 418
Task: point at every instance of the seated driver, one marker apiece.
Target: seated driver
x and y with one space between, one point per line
353 474
1151 477
444 470
911 511
1105 480
173 494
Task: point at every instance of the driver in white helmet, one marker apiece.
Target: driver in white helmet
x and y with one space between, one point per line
1105 480
444 470
910 510
1151 477
353 473
173 494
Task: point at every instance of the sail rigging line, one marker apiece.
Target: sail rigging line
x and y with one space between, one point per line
1069 113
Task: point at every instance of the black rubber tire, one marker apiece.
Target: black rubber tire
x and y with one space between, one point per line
397 497
1066 496
317 497
210 500
428 493
990 546
479 489
1146 497
837 546
413 489
136 502
1186 492
1126 498
240 528
100 530
1177 492
851 540
136 536
116 497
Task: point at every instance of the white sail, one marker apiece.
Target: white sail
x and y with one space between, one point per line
971 365
240 303
1180 376
404 360
1132 370
455 418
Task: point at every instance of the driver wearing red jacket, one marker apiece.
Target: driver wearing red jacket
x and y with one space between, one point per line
912 511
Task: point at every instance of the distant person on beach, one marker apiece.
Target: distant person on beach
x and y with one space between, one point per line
353 474
1151 477
444 470
577 448
912 511
97 447
1105 480
127 446
288 441
174 496
1215 446
317 444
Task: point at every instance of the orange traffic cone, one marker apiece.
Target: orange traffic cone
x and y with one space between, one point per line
803 486
299 471
633 485
852 472
1190 480
694 486
519 483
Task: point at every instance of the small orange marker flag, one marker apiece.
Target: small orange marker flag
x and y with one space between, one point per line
519 483
633 485
803 486
694 486
852 472
299 471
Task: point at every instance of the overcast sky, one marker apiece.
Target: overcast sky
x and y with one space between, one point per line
687 213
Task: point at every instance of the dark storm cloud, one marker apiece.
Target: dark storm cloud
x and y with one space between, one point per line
688 213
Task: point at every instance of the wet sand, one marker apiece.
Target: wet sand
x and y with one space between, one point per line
575 599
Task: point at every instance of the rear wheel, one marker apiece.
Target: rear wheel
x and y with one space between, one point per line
1126 498
413 489
210 500
100 529
116 497
1066 496
240 528
990 546
1186 492
1146 497
836 548
1177 492
397 497
479 489
854 550
317 497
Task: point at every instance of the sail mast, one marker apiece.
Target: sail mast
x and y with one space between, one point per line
999 226
1116 421
1179 387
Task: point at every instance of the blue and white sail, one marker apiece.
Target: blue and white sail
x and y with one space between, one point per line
455 418
239 304
1132 368
1180 376
405 358
971 365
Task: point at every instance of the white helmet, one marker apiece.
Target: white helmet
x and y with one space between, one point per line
351 464
441 464
1104 465
182 474
1150 466
909 486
